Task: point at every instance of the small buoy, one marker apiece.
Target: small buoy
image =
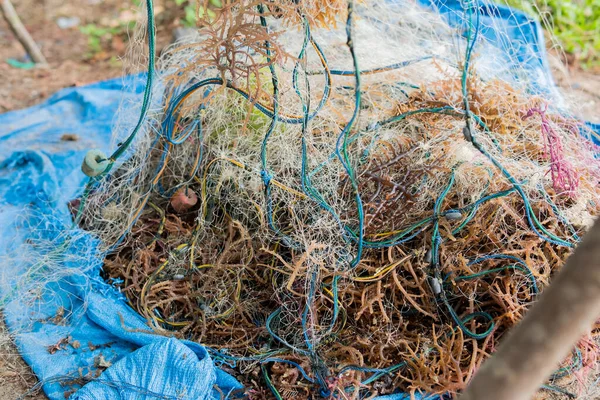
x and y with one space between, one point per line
453 215
436 286
467 134
94 163
183 200
428 256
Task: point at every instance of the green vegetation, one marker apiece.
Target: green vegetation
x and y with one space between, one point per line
574 23
188 18
99 35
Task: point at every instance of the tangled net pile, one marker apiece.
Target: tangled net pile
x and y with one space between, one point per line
340 200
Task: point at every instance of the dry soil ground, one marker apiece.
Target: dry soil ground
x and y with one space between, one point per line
71 64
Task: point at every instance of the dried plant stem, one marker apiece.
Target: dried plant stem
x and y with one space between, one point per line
13 20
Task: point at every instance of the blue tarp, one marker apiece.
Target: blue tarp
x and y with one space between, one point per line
40 173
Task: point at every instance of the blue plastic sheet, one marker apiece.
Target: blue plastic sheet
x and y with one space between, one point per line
40 173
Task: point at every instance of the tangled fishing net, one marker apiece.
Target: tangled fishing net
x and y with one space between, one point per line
340 199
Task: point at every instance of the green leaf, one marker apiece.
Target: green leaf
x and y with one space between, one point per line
190 16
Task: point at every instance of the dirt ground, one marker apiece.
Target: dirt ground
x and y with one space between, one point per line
70 64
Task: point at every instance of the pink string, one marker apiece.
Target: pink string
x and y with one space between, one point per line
564 178
589 359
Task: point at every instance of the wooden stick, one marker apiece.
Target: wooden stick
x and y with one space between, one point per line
533 350
21 33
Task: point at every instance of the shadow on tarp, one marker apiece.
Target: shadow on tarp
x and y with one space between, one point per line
39 174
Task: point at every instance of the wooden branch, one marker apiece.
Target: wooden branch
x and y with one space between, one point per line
21 33
566 310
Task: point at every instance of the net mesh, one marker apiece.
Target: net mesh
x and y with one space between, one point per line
341 199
